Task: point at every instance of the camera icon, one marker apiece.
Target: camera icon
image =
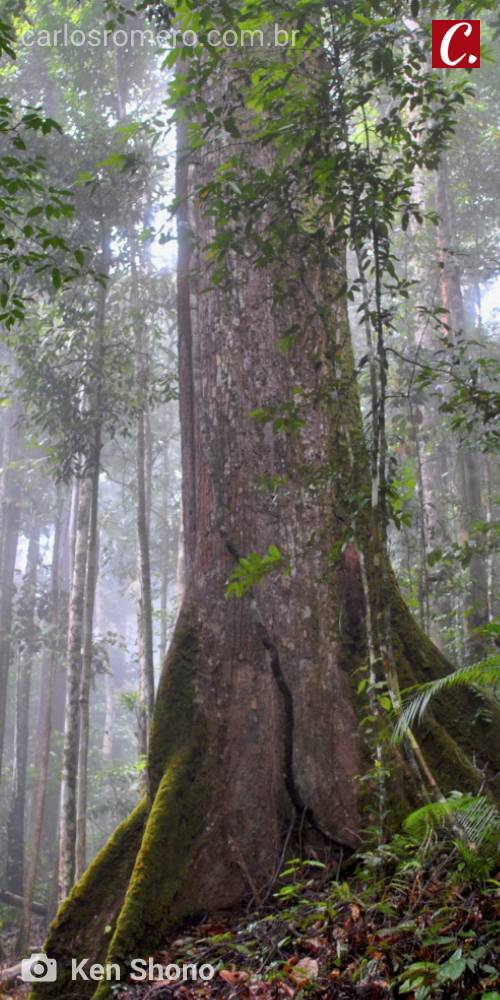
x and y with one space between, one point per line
39 969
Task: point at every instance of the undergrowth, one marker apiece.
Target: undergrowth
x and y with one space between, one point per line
418 917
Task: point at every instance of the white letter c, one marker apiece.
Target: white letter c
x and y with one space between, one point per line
444 50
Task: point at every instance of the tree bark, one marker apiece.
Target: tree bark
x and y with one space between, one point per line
51 821
67 832
107 736
91 569
86 674
143 482
166 558
26 613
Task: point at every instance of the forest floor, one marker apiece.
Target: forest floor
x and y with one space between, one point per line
412 927
421 936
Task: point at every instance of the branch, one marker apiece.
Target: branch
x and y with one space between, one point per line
11 899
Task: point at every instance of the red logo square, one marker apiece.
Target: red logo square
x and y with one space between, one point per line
456 44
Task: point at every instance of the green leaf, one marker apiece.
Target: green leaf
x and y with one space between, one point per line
385 702
453 968
115 161
434 557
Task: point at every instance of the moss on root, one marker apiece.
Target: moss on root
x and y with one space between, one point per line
137 885
175 708
79 929
160 892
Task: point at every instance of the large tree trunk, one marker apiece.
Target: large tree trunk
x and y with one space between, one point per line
255 739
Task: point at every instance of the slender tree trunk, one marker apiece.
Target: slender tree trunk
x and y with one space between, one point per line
162 644
75 500
26 613
45 725
179 572
10 515
67 831
91 571
51 823
472 511
107 736
423 585
143 468
166 568
145 616
86 675
422 419
468 461
489 539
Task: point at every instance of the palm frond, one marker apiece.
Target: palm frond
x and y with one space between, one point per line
471 817
484 674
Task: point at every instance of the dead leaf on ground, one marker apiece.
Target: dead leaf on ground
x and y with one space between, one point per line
233 978
305 970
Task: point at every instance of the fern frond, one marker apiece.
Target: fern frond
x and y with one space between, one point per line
485 673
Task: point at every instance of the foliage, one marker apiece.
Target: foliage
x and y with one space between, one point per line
29 204
473 395
472 818
251 570
408 918
485 675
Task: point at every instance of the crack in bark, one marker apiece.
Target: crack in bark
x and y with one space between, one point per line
303 811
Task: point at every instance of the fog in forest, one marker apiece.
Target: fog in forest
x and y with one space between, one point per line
115 341
289 520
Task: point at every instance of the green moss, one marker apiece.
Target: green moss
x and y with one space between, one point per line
79 928
160 892
175 707
448 761
137 885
